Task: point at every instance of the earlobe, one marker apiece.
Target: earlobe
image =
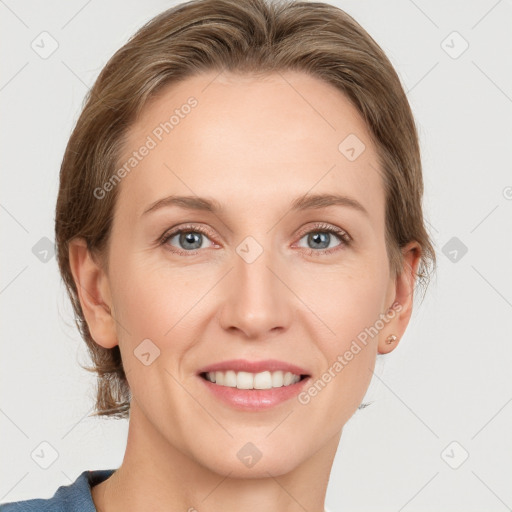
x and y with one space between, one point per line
94 293
403 301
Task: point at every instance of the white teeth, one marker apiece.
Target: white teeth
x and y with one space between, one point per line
263 380
288 378
246 380
230 379
219 378
277 379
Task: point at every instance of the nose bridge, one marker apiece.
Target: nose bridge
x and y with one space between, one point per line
256 301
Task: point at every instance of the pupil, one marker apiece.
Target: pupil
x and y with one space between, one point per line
191 238
317 238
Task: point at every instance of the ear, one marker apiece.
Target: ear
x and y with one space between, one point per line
401 305
94 293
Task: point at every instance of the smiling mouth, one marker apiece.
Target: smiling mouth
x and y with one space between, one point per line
253 381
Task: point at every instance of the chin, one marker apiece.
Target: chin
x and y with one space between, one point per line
252 460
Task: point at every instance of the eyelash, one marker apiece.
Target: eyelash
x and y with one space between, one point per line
342 235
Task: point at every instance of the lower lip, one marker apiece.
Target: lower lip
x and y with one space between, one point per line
254 399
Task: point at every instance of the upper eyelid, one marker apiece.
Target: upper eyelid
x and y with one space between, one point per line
325 227
192 227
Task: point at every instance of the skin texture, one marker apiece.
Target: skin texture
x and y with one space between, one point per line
254 145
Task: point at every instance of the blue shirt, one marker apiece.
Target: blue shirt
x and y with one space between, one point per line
75 497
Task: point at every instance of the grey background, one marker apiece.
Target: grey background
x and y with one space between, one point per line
449 382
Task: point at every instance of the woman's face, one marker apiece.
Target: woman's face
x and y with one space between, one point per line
274 273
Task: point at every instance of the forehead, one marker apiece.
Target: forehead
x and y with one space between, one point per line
250 141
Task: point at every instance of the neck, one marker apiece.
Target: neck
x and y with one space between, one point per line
156 475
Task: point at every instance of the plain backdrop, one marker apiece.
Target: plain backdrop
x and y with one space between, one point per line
438 435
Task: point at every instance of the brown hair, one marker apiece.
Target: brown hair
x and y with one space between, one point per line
244 36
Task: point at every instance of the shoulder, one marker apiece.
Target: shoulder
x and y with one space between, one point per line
75 497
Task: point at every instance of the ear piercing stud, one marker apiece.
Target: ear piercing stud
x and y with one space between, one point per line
390 339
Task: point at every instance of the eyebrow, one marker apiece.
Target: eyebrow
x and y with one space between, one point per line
307 202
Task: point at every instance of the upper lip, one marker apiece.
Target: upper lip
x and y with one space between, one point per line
243 365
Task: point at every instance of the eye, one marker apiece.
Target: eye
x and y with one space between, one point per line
321 238
189 239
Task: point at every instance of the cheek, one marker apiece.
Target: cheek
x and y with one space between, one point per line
344 300
154 309
347 307
158 302
155 300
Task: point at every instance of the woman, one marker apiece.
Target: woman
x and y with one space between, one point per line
239 226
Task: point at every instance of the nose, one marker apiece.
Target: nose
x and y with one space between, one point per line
256 302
